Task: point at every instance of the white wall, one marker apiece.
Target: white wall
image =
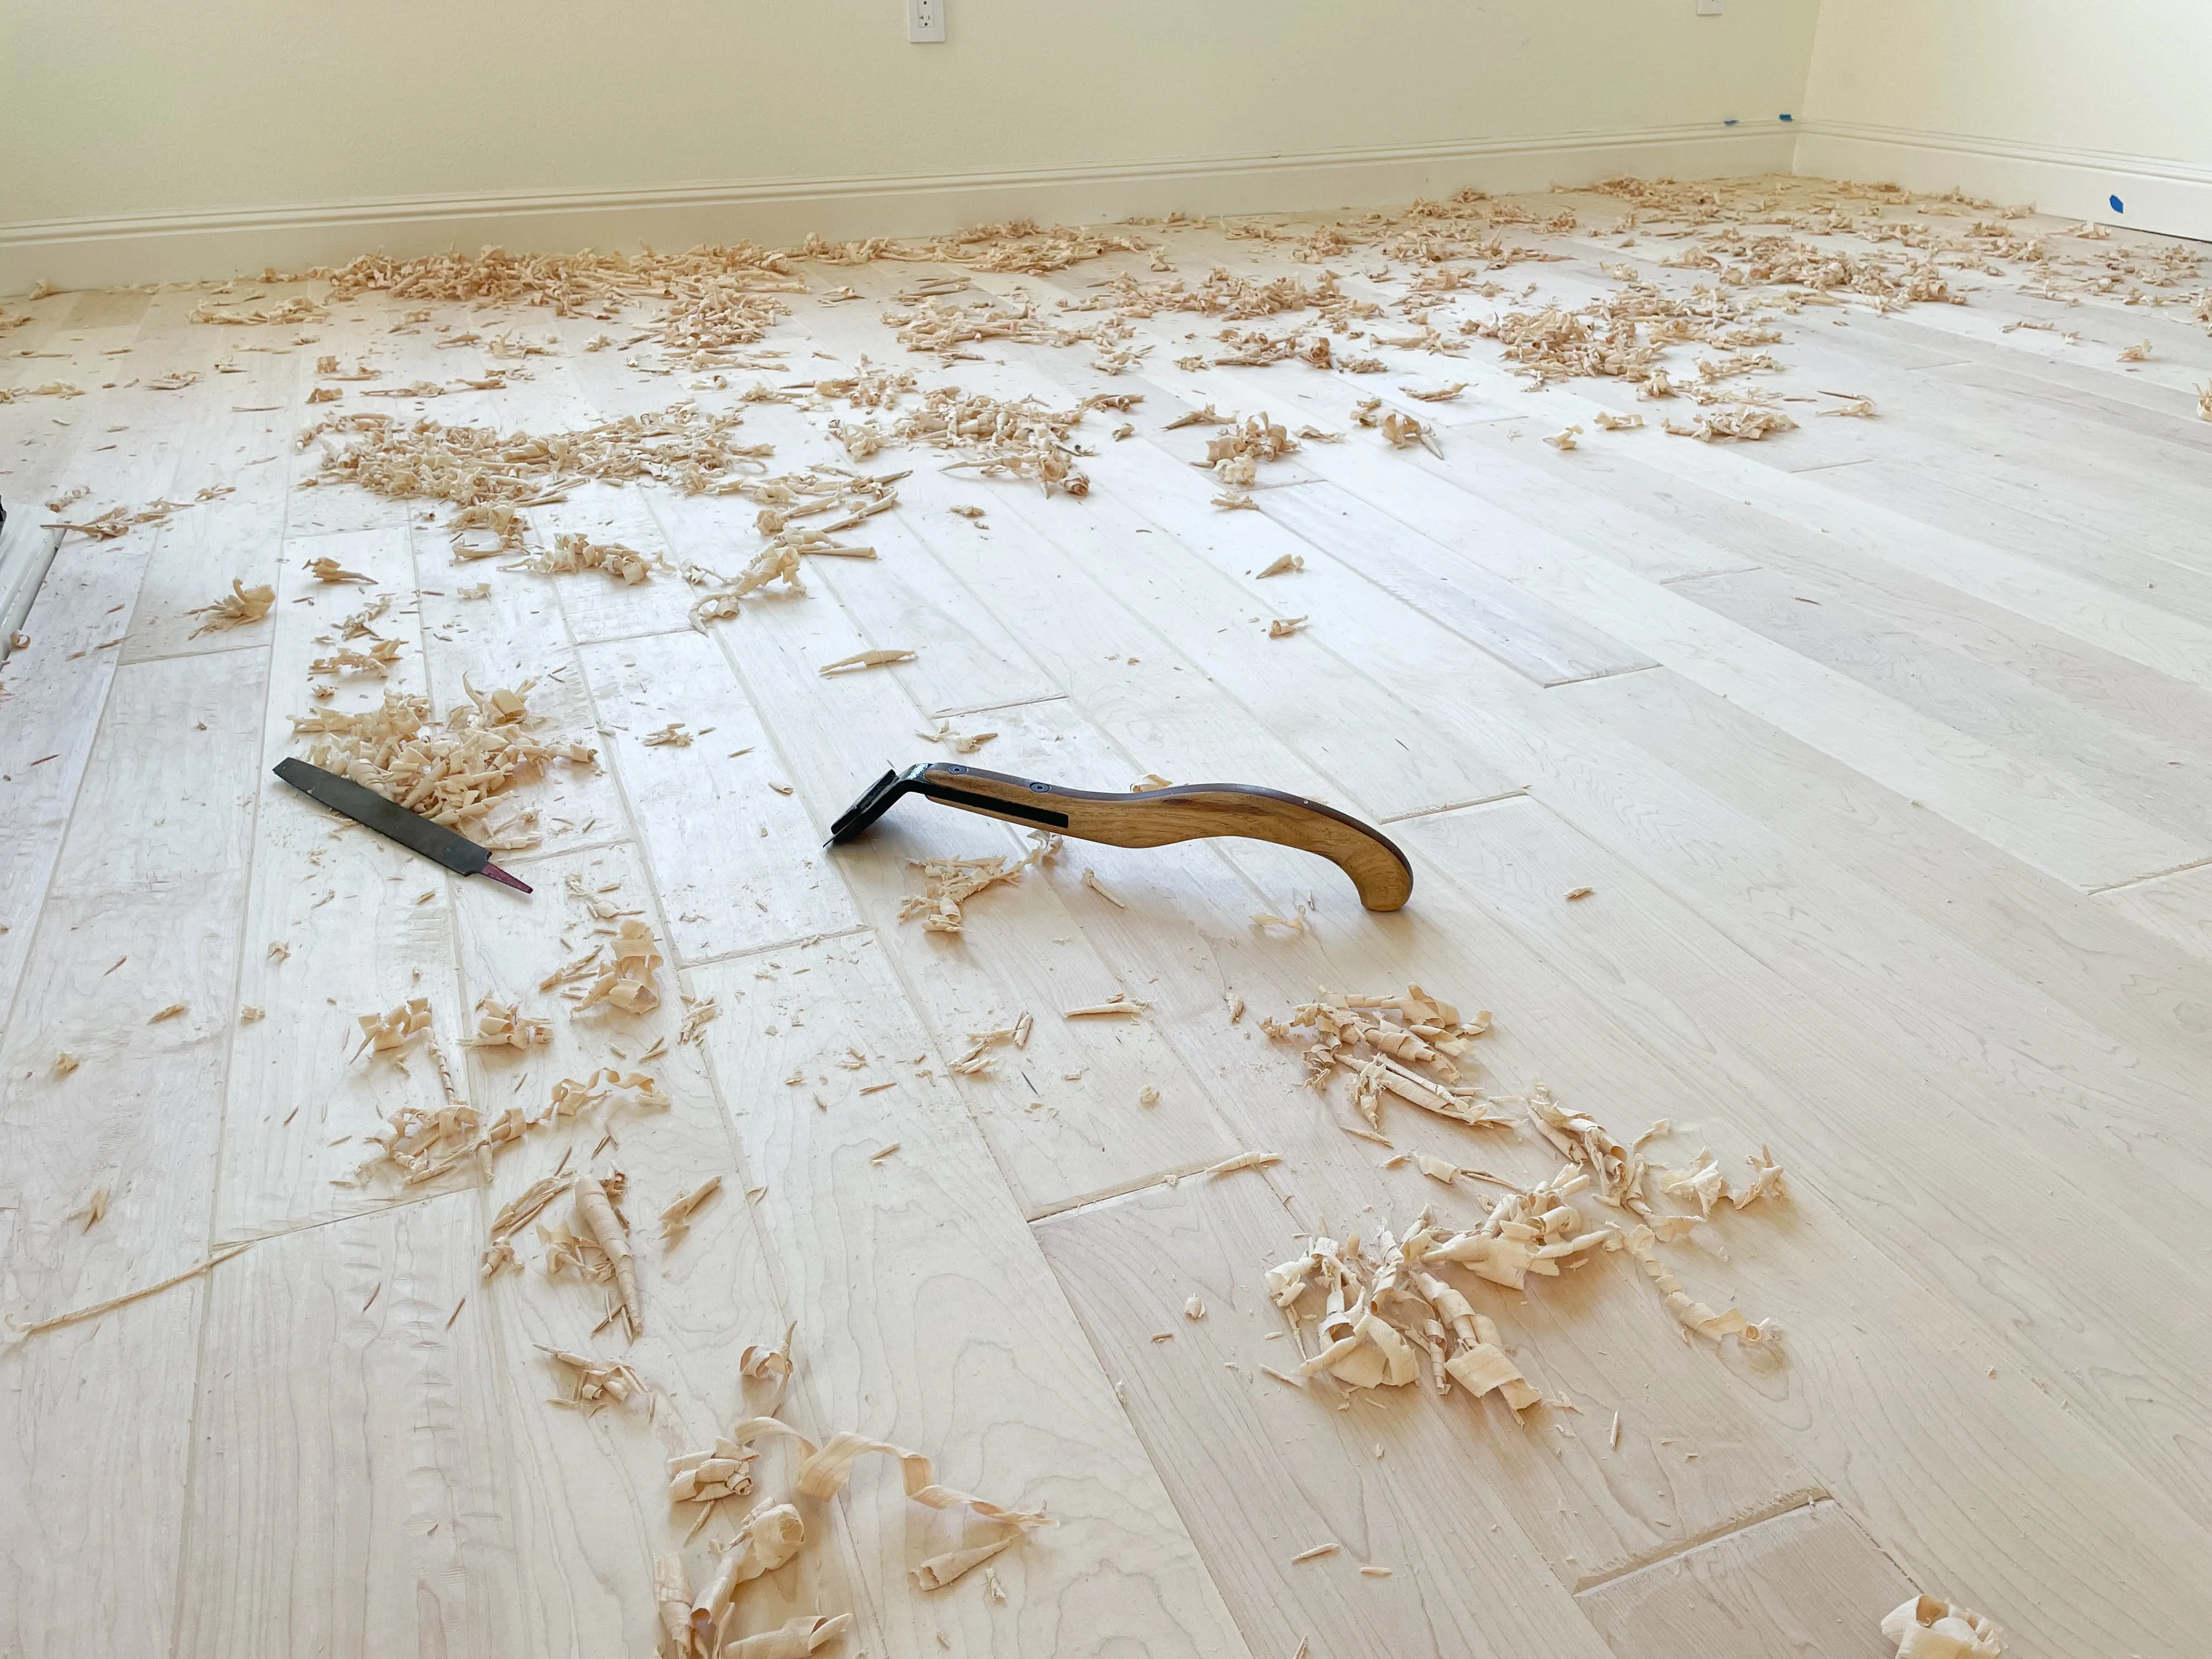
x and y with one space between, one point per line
2066 102
212 122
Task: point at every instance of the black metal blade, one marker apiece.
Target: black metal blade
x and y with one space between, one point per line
873 803
388 819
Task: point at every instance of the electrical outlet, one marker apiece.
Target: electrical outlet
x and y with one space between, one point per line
925 22
1711 7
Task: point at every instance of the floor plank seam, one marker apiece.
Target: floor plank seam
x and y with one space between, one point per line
1787 1503
798 942
994 707
1602 674
2156 875
128 661
1453 806
1092 1200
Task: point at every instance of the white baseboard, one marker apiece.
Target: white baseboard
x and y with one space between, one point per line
2172 197
75 254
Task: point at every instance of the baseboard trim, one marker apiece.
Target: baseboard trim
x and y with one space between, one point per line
2172 197
193 247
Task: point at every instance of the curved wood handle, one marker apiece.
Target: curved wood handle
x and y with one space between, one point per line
1186 812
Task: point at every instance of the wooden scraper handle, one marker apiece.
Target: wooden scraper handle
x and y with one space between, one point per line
1185 812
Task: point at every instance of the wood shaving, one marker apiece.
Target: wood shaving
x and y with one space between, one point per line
865 659
672 736
1286 565
378 660
92 1211
327 569
2137 353
1148 1095
1242 1161
794 1638
627 980
503 1025
724 1470
1149 782
1283 627
1928 1627
572 553
109 1306
242 605
1119 1003
593 1383
1091 880
949 883
1745 422
1693 1314
1315 1554
699 1012
64 1063
595 1213
1575 894
676 1219
1194 1309
389 1036
1566 439
1612 423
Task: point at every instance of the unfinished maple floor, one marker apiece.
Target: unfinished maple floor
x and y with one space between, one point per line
1885 747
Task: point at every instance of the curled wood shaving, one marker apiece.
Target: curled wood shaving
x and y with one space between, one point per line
1928 1627
595 1213
92 1211
1283 627
1692 1313
388 1037
501 1025
676 1219
794 1638
699 1012
243 604
1022 438
64 1063
772 1365
515 1214
2137 353
327 569
672 1595
1288 563
1612 423
670 736
1565 439
627 980
299 308
594 1382
724 1470
1861 407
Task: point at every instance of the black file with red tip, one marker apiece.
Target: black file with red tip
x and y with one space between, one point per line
395 822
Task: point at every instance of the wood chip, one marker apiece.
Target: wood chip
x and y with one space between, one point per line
169 1013
1575 893
676 1219
1243 1161
1283 627
1316 1553
64 1063
1284 565
865 659
1092 881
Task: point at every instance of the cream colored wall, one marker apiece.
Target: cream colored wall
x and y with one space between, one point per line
122 108
2127 77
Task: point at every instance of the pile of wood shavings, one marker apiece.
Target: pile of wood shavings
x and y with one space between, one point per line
950 882
242 604
1022 439
456 774
1383 1313
680 446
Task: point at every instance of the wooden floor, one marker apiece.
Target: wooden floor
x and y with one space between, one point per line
1885 746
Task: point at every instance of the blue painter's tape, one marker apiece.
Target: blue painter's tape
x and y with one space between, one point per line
2119 206
1728 122
1787 116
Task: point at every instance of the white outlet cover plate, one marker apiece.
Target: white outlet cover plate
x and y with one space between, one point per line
925 22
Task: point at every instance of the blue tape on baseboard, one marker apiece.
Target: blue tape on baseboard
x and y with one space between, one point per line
2119 206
